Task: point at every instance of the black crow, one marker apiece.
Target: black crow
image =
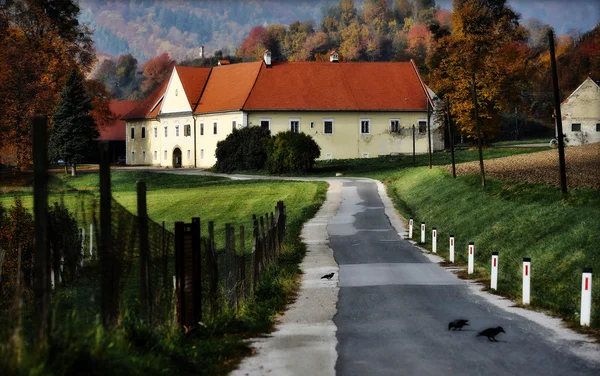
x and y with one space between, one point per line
491 333
328 276
458 324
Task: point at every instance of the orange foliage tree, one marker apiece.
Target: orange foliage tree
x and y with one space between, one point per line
41 41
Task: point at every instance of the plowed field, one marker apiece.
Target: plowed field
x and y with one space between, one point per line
583 167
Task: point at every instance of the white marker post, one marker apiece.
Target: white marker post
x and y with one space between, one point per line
91 241
586 297
526 280
422 232
451 248
494 284
471 257
410 226
434 240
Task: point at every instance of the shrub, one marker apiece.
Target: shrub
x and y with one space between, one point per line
291 152
243 149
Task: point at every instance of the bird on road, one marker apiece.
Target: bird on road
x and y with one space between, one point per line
458 324
328 276
491 333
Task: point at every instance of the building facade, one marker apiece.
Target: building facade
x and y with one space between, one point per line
581 114
352 110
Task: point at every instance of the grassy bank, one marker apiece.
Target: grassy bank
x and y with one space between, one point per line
136 349
517 220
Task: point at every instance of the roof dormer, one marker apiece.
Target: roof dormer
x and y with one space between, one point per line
333 57
267 58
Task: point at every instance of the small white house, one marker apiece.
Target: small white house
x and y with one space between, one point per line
581 114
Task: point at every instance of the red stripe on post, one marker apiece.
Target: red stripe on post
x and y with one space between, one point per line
434 233
494 261
586 283
451 241
526 270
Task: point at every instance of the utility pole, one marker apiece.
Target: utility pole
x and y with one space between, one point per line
478 131
450 136
560 139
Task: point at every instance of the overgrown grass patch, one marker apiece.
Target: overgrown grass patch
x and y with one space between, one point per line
517 220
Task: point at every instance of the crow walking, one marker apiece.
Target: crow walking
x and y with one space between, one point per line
491 333
458 324
328 276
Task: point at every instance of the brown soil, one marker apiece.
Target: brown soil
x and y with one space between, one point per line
583 167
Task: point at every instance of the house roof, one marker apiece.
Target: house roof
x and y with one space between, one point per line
228 87
146 108
591 78
193 80
116 130
325 86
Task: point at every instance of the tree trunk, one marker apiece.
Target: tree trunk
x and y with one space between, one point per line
73 170
66 168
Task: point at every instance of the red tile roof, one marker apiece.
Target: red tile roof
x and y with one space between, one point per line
193 80
143 110
325 86
116 130
228 87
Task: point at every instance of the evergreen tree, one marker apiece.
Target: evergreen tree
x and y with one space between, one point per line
74 127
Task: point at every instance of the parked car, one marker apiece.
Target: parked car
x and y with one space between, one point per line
122 161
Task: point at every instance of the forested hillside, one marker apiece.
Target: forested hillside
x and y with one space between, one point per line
147 28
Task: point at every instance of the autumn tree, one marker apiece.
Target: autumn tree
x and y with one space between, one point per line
41 41
101 98
156 70
487 47
74 127
254 45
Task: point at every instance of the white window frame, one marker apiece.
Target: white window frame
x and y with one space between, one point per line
573 130
177 130
166 131
201 129
215 127
143 156
165 155
155 132
332 126
189 155
201 153
268 120
187 130
155 155
391 129
132 133
296 120
133 156
360 125
365 155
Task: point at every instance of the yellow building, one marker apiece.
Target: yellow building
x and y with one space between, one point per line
581 114
352 110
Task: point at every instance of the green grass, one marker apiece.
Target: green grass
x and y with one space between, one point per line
136 349
384 167
517 220
523 142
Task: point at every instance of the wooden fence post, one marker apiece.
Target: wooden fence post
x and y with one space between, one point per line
263 242
179 260
197 267
272 243
242 265
40 216
214 270
144 250
165 259
256 252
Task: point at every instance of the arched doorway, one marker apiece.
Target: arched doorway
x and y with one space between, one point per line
176 158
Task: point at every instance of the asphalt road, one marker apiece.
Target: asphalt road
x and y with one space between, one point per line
394 307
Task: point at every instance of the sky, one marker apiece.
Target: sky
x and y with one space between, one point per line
563 15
